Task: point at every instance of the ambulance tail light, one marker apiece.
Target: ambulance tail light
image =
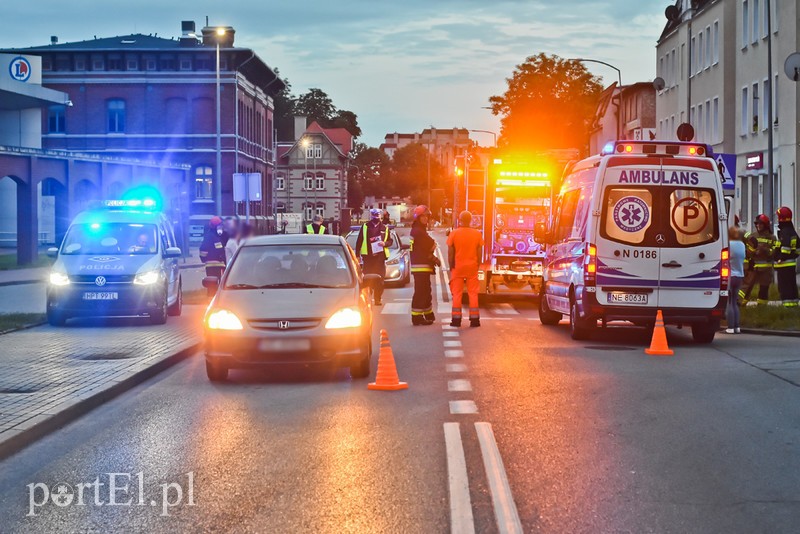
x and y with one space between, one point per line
725 269
590 265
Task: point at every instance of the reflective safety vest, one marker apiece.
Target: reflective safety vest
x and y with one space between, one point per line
365 251
422 251
788 253
310 229
761 249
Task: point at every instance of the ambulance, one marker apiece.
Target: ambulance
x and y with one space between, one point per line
640 228
119 258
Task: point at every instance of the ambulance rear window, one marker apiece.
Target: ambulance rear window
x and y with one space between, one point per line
627 214
693 216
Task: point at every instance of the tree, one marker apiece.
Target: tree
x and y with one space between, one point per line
409 173
284 112
316 105
347 120
549 103
369 169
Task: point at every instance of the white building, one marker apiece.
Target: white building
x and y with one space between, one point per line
713 59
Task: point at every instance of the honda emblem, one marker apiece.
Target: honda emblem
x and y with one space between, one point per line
283 325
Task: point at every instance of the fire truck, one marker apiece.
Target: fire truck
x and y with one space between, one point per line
508 197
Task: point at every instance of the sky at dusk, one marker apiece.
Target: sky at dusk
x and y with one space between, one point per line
400 66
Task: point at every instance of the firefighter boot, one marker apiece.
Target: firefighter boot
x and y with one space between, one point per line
420 320
474 322
429 317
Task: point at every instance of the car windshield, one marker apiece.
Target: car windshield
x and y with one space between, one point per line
290 266
110 238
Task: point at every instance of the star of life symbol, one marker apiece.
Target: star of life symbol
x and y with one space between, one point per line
631 214
62 494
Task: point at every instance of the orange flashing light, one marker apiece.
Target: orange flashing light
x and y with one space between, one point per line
628 148
692 150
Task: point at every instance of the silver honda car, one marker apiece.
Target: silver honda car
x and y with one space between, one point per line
290 299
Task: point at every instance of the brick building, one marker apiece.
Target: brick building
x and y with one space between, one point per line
148 98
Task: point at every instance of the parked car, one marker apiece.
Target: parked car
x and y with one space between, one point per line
398 264
287 299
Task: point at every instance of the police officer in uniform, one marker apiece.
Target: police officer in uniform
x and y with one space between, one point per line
761 246
372 247
423 265
212 249
786 258
316 226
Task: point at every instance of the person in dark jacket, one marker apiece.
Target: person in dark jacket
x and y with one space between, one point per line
372 247
761 246
212 249
786 258
423 266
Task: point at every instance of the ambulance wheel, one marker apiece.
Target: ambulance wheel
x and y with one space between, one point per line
704 332
216 370
546 315
579 328
175 309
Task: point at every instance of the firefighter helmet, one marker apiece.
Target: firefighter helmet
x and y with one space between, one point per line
215 221
421 210
784 214
762 219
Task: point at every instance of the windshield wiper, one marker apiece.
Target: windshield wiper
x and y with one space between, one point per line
241 286
288 285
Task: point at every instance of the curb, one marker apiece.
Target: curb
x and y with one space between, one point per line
26 327
762 332
26 437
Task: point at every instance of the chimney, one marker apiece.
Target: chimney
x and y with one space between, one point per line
54 39
188 35
299 127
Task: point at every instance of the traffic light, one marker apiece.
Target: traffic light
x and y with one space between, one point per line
458 167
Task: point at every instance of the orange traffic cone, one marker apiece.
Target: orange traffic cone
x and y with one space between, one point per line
658 345
386 379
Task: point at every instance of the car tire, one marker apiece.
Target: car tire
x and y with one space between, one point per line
159 316
362 369
546 315
704 332
55 318
579 329
176 309
216 370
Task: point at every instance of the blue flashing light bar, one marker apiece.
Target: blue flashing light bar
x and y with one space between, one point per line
132 203
668 148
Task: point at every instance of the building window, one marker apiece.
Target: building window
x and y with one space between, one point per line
186 63
775 86
62 63
756 21
167 63
114 63
320 210
701 57
317 151
754 108
80 62
716 42
280 182
116 116
692 120
280 207
745 24
709 126
150 63
47 63
98 63
320 182
203 63
693 58
745 101
56 119
716 120
203 183
767 92
132 63
309 182
699 130
709 57
308 211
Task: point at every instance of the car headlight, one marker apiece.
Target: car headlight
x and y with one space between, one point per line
147 278
393 262
223 320
345 318
59 279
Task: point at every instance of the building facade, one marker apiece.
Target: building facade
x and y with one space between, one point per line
148 98
311 173
713 59
627 112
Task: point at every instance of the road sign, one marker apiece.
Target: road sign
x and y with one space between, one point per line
727 168
644 134
246 185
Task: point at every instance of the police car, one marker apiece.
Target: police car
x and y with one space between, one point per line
641 227
118 259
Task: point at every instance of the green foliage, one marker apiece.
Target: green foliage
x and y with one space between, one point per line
409 173
9 262
316 106
549 103
370 167
770 317
15 321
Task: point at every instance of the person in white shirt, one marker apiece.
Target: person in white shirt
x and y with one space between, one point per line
736 259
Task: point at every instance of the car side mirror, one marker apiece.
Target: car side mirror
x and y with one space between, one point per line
172 252
211 282
52 252
541 235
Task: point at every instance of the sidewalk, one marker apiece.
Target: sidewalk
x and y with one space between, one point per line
51 375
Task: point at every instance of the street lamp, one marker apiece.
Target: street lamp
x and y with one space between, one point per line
619 83
304 143
220 32
494 135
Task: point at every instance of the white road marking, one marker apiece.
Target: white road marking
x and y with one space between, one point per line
452 343
505 511
455 353
459 385
456 368
446 326
503 308
451 333
463 407
444 308
461 521
396 308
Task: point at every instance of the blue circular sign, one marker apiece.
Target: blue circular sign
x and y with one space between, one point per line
631 214
20 69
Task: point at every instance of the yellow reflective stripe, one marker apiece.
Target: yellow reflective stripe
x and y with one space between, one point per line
217 245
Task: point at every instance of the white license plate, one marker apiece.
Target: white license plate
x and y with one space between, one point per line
627 298
284 345
101 295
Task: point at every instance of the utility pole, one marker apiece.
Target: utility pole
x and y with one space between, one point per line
769 189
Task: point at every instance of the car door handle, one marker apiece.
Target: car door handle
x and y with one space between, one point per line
672 264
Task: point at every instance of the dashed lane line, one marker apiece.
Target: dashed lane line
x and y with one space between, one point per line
451 343
456 368
503 308
451 333
454 353
462 407
459 385
461 520
396 308
505 511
